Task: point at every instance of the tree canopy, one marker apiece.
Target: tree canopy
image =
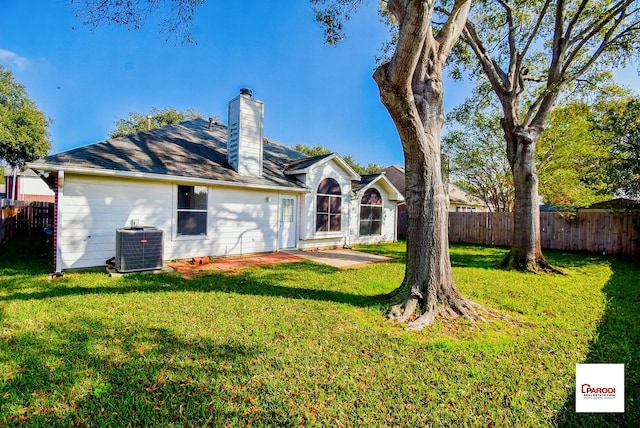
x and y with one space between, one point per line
477 159
568 159
528 53
137 122
620 134
24 134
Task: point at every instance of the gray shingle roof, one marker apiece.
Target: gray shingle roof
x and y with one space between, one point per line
395 174
304 162
188 149
364 181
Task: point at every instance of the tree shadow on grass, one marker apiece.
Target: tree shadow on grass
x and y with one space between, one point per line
244 282
617 340
88 371
476 256
25 255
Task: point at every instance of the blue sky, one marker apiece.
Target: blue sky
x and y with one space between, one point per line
313 93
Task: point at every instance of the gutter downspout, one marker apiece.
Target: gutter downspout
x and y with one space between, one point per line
57 231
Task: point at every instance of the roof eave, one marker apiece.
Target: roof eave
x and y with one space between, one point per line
159 177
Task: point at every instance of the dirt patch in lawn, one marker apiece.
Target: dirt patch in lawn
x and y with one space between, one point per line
197 265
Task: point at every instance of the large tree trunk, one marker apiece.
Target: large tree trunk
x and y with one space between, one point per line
427 290
526 250
411 89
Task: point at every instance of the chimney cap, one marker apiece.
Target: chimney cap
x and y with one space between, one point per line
246 91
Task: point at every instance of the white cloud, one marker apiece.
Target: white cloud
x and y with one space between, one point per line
11 59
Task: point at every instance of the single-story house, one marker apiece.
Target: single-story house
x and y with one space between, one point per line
213 190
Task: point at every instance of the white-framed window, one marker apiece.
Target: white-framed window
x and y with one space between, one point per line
287 210
328 206
371 213
192 210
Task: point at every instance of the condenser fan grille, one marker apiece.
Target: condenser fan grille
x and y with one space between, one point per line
138 249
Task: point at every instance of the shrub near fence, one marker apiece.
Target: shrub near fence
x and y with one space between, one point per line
611 233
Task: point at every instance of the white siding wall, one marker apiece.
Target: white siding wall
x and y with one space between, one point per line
239 221
93 208
243 221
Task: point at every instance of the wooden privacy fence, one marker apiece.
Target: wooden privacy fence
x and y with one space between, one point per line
611 233
25 219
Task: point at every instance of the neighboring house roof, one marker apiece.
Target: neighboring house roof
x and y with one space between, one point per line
618 204
557 208
188 150
8 172
395 174
457 195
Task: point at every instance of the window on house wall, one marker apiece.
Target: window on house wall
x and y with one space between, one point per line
371 213
192 210
328 206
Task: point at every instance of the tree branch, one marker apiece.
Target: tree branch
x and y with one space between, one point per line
497 77
452 28
536 28
595 27
412 34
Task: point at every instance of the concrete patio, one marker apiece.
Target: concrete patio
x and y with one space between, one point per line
339 258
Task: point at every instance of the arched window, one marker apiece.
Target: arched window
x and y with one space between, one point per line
328 206
371 213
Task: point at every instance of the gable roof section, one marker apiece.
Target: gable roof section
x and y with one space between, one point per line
304 166
301 165
368 180
188 151
457 195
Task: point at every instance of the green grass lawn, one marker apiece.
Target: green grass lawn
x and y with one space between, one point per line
305 344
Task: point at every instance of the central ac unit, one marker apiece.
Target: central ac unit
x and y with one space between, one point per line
138 249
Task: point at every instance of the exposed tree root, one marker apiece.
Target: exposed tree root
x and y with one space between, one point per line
535 265
407 313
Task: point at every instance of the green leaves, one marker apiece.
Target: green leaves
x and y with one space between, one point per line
137 122
620 126
318 150
23 127
332 15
